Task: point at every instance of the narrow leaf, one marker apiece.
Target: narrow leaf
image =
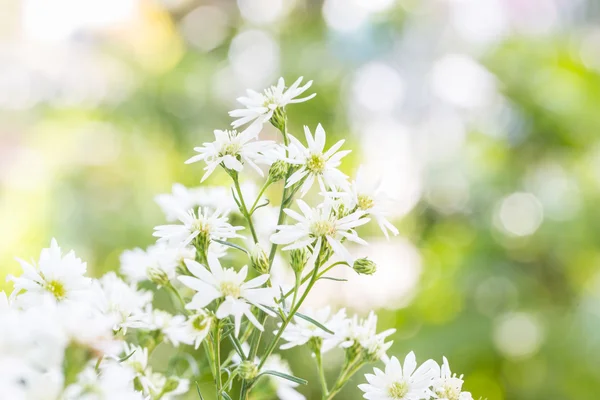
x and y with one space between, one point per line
314 322
126 357
198 389
235 246
291 378
330 278
225 396
266 203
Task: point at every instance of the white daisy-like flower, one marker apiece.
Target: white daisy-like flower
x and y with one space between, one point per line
180 200
320 223
226 283
114 381
173 327
160 259
367 196
302 331
199 325
261 106
315 163
120 299
363 332
448 386
233 149
60 276
400 382
213 224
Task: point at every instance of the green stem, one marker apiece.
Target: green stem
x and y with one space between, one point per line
217 344
307 277
346 374
322 379
262 190
290 316
243 207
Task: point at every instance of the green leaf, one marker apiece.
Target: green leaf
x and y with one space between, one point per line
225 396
330 278
198 389
126 357
312 321
235 246
266 203
291 378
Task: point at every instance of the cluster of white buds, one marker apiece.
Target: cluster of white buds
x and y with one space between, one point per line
93 339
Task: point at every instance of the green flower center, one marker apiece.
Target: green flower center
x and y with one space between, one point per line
57 289
451 389
316 163
365 202
322 228
231 149
230 289
200 323
398 390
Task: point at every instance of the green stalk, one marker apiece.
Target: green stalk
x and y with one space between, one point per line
262 190
217 344
322 379
244 209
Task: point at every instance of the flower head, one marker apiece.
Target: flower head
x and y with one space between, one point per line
320 223
159 260
302 331
260 107
225 283
55 276
315 163
448 386
205 224
120 299
360 335
400 382
233 149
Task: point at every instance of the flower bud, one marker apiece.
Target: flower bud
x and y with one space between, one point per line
278 170
279 119
259 260
298 259
364 266
248 370
171 384
157 276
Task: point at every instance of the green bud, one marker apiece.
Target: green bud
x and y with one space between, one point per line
201 243
248 370
278 170
315 343
259 260
171 384
157 276
298 259
279 119
364 266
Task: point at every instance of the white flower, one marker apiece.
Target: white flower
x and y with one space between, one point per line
316 223
114 382
261 106
448 386
199 326
363 332
180 200
400 382
173 327
315 163
230 285
138 265
368 197
302 331
121 300
233 149
212 224
61 277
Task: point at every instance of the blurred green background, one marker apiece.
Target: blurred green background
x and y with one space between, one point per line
482 115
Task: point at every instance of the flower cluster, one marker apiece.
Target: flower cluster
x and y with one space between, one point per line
69 336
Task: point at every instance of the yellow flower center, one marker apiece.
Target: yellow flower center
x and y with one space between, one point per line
230 289
57 289
398 390
231 149
316 163
322 228
365 202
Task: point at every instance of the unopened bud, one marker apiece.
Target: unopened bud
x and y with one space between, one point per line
298 259
171 384
157 276
364 266
259 260
278 170
248 370
279 118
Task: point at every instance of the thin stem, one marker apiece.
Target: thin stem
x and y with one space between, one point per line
262 190
307 277
289 318
217 344
244 209
322 379
348 372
